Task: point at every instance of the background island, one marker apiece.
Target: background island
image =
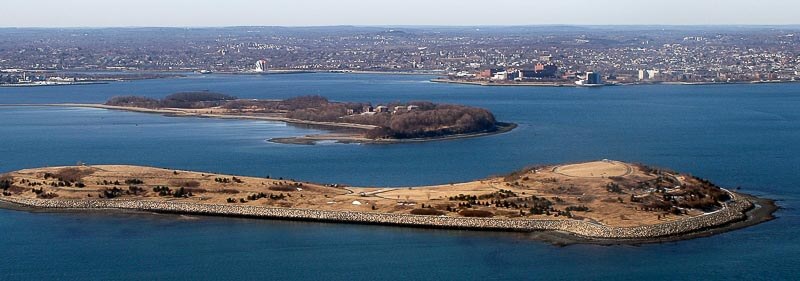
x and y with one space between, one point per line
348 121
605 202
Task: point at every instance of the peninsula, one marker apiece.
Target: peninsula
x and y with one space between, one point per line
348 122
605 202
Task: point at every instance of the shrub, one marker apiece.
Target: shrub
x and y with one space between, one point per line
135 190
578 208
427 212
134 181
182 193
614 188
48 195
162 190
476 214
6 181
112 193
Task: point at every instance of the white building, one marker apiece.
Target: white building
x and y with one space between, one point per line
500 76
261 66
652 74
648 74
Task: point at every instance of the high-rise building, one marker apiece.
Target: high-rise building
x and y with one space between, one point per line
652 74
261 66
593 78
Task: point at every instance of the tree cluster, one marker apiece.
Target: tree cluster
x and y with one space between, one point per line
228 180
443 120
5 182
112 193
134 101
195 100
178 100
614 187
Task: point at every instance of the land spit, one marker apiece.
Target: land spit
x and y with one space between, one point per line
586 210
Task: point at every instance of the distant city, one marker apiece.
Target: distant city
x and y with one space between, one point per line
536 54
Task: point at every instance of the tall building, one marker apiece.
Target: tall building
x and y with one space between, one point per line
261 66
593 78
652 74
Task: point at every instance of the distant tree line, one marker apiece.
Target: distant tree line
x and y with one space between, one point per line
190 100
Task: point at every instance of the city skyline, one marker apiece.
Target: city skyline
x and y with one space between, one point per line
205 13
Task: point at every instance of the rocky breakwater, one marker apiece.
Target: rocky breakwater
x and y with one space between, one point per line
732 211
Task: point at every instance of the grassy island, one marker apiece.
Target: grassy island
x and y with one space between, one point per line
595 201
355 122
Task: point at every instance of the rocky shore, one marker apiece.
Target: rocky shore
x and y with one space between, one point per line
732 212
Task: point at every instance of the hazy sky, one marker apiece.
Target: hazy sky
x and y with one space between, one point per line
100 13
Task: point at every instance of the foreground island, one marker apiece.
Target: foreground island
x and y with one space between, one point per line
605 202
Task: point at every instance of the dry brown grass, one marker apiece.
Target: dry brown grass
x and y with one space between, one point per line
284 188
185 183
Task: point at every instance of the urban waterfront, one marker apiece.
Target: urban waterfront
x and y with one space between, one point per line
735 135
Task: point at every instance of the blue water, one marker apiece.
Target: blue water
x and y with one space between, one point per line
736 135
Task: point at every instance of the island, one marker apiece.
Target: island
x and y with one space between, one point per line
41 78
346 122
606 202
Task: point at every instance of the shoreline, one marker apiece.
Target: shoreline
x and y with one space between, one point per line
492 84
303 140
54 84
558 84
502 128
556 232
603 221
334 71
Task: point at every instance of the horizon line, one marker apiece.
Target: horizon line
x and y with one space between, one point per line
398 25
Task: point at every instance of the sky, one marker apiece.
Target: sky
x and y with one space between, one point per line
198 13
